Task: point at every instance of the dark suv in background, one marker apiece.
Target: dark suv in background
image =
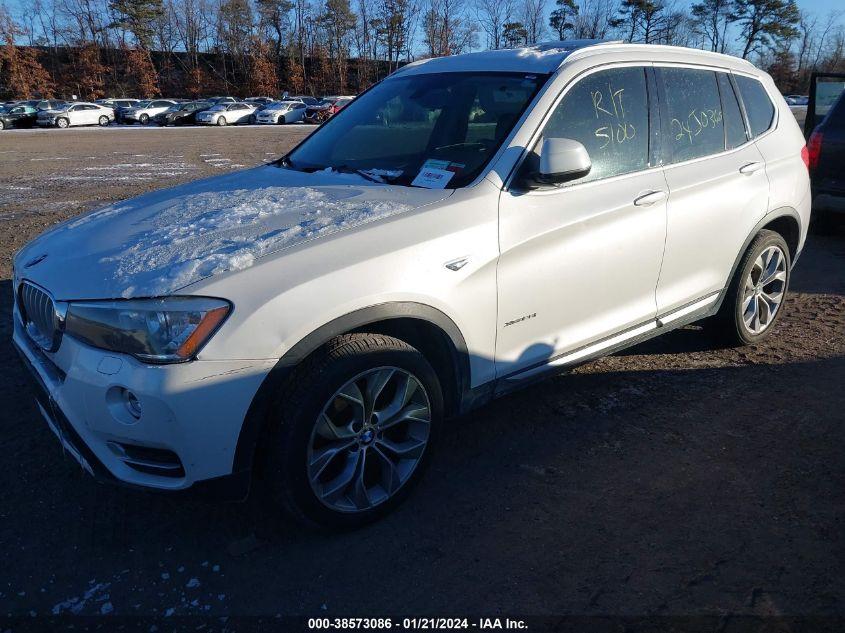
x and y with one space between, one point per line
825 127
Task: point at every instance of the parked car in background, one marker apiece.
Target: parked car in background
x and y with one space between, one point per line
281 112
326 109
143 112
797 100
182 113
826 148
513 214
306 99
20 116
216 100
43 104
78 113
258 101
116 104
226 114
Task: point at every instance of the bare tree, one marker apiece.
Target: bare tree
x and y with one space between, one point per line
492 15
534 20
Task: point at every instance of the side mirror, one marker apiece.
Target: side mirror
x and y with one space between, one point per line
563 159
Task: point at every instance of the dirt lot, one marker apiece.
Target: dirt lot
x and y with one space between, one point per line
672 479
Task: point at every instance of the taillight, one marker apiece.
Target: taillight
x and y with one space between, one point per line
805 156
814 149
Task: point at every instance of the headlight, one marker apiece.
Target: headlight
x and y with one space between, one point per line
166 330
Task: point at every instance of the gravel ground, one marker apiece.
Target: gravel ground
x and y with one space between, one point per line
672 479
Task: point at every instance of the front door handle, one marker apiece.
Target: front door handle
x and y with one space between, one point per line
649 198
750 168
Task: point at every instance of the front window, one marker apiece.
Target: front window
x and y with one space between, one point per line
451 124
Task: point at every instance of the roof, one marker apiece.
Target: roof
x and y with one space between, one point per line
547 57
540 58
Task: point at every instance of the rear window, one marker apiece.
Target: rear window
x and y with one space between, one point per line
835 119
693 114
758 106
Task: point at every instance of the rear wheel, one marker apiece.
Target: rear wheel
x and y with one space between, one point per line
104 121
353 431
144 119
221 121
62 122
2 125
755 297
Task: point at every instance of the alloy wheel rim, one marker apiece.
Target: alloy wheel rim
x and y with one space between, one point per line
764 290
368 439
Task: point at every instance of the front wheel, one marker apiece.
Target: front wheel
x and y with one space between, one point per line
2 125
144 119
62 122
352 432
104 121
755 297
281 120
221 121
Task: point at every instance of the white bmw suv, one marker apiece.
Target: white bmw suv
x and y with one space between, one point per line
464 226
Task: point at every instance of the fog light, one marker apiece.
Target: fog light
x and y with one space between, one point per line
133 405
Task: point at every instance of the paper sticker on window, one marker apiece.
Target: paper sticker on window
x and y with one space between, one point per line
432 178
433 163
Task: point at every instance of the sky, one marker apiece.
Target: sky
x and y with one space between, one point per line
819 7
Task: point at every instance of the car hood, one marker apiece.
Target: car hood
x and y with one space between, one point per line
162 241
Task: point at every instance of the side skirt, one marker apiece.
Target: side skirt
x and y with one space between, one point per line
685 315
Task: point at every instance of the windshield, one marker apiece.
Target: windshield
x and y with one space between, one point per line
218 108
142 104
450 124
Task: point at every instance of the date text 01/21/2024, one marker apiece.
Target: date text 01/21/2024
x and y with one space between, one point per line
418 624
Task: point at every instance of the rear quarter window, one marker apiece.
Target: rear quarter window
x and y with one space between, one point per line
758 105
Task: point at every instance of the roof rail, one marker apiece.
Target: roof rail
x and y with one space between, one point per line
571 45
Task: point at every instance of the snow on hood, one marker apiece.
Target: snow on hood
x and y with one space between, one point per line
163 241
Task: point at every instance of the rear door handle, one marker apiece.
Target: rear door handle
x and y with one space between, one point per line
750 168
649 198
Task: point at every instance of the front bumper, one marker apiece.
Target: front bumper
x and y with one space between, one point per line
193 411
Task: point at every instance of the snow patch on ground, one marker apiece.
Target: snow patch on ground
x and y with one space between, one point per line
197 236
96 593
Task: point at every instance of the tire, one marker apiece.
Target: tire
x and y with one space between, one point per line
293 438
221 121
62 122
144 119
746 297
281 120
104 121
2 126
252 119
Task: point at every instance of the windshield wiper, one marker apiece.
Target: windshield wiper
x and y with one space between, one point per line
346 169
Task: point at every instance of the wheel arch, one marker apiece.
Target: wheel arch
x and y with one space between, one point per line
787 223
426 328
